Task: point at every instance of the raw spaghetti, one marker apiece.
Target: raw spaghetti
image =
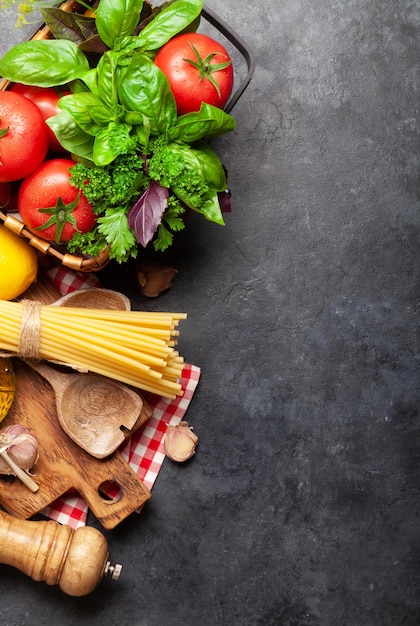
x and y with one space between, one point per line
134 347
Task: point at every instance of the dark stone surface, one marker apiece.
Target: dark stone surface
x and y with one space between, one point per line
301 505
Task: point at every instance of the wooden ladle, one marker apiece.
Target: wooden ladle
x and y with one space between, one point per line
94 410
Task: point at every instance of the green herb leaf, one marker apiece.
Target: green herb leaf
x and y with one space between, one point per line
208 122
114 185
106 69
90 243
193 175
117 18
44 62
103 152
163 239
71 136
171 221
143 87
211 209
170 21
86 108
114 228
119 139
211 167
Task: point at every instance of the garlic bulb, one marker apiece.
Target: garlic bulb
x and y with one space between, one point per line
153 278
18 453
180 442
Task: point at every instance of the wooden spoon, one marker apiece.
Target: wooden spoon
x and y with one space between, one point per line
95 298
94 410
90 298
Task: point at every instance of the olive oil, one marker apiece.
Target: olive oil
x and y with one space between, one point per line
7 386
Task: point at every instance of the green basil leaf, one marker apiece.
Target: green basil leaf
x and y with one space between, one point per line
103 114
103 153
86 108
113 140
107 77
44 62
142 134
143 87
71 136
169 22
211 168
211 209
117 18
208 122
90 79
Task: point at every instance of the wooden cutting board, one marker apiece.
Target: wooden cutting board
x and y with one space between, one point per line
62 464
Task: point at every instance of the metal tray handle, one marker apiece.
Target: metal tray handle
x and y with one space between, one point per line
240 45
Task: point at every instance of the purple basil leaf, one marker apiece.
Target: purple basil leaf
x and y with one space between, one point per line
146 213
67 25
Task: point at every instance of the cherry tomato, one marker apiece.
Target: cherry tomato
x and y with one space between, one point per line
50 206
23 137
46 99
199 69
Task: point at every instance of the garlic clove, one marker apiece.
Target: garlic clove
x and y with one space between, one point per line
180 442
21 446
23 451
154 278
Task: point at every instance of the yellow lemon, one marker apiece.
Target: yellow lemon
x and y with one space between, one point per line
18 264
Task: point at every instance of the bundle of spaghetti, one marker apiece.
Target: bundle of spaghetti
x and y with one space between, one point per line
134 347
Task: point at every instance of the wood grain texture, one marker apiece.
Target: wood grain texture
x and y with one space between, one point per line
62 464
76 560
97 413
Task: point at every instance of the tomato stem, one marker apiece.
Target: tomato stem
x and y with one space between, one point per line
61 214
206 68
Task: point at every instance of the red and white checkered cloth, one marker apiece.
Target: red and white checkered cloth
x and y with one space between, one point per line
144 450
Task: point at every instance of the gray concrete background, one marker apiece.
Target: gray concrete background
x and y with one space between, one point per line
301 505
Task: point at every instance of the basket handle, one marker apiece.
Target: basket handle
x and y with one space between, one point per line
240 45
44 33
74 262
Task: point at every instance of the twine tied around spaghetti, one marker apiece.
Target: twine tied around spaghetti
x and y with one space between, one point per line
30 330
29 343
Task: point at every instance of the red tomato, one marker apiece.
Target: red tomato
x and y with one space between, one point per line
50 206
199 69
23 137
46 99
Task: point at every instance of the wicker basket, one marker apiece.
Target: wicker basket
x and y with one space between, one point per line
90 264
72 261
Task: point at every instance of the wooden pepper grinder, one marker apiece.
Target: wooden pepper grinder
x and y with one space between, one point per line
76 560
